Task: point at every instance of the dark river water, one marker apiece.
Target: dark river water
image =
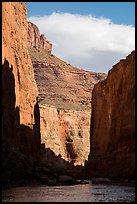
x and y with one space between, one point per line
75 193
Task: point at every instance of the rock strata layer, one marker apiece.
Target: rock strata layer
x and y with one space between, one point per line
112 150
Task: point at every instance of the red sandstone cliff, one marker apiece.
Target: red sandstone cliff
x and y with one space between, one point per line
20 111
65 102
112 150
19 90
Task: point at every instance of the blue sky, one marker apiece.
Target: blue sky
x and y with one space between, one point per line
118 12
89 35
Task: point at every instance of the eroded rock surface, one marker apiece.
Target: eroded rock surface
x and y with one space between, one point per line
66 132
113 123
65 103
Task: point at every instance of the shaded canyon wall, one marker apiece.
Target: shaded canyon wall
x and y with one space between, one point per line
19 91
112 151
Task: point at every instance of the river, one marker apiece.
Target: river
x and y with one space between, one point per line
75 193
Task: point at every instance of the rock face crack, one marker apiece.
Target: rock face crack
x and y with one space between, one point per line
70 150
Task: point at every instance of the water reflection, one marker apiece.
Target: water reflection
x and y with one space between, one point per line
76 193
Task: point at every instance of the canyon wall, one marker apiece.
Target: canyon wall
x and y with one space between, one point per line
20 116
65 102
60 109
112 151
